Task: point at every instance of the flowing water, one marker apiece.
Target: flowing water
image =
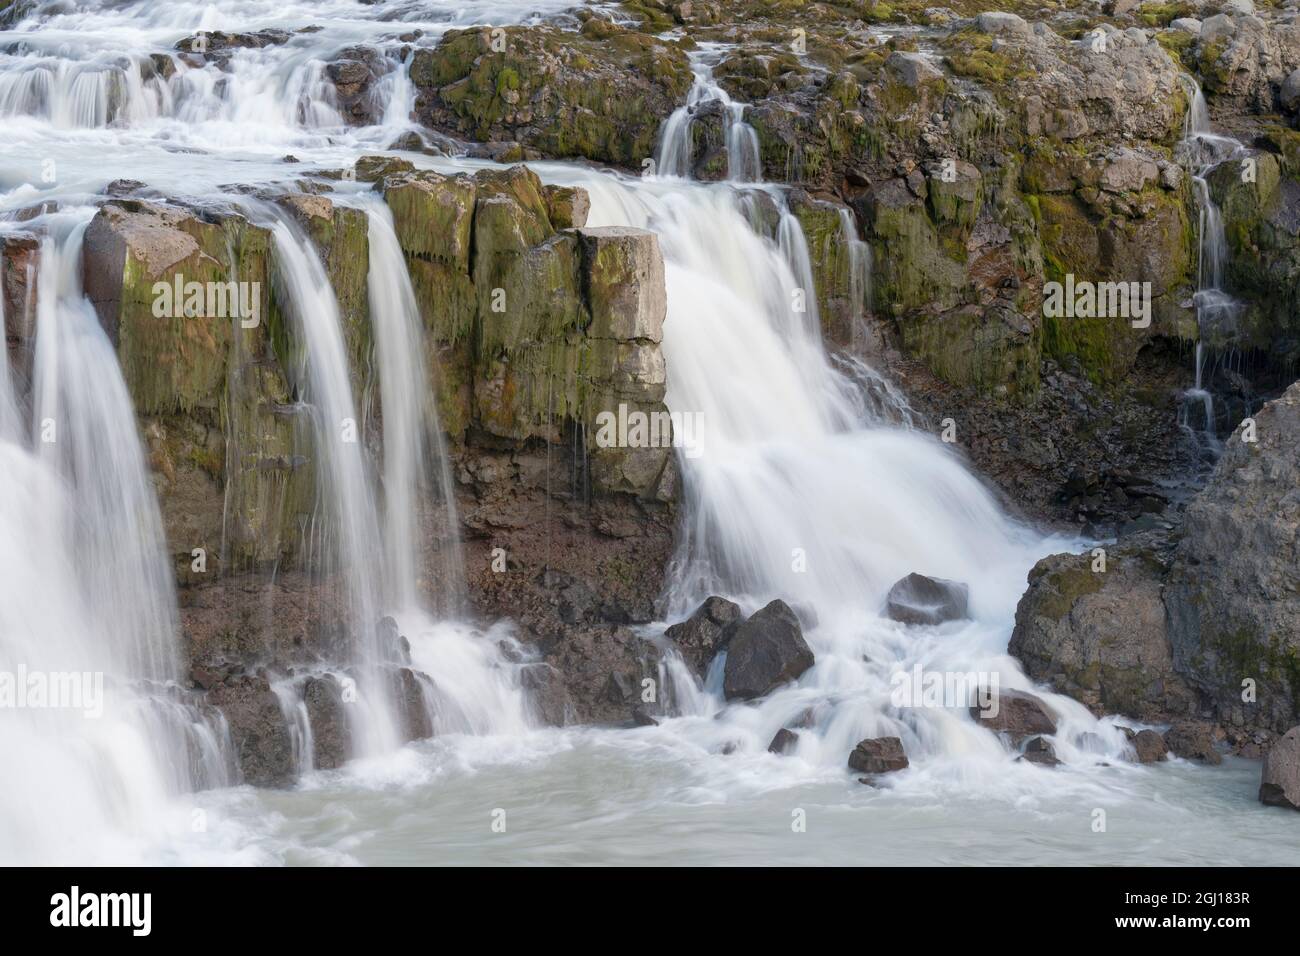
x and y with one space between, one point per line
814 484
1216 310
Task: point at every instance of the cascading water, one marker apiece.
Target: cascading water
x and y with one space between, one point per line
86 601
814 486
676 140
1216 310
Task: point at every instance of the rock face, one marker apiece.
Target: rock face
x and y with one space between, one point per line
918 599
878 755
766 651
1100 635
601 95
1018 715
1280 782
605 670
1233 594
706 632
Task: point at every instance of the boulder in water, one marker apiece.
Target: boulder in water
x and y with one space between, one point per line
1280 782
765 652
1040 751
326 713
784 741
1150 746
1192 740
919 599
263 747
878 755
704 633
1015 713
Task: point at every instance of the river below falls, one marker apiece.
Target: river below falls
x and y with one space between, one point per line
644 797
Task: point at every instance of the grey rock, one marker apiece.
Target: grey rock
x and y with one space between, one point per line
1280 780
765 652
919 599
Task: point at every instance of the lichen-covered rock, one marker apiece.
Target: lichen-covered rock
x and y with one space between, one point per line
1234 590
562 94
1100 636
226 444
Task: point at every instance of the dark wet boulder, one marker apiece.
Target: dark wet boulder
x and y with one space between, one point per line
327 714
1039 750
415 695
1192 740
1149 746
706 632
765 652
878 755
1015 713
1280 782
263 746
784 742
919 599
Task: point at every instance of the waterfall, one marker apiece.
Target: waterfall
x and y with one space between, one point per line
413 439
816 483
351 540
86 601
1202 150
676 146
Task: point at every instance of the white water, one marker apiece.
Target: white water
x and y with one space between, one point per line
804 459
1216 310
739 138
87 591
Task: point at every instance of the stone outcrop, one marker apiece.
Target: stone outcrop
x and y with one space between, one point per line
764 652
1280 780
1093 626
600 94
1190 627
536 327
1233 594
